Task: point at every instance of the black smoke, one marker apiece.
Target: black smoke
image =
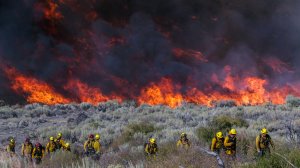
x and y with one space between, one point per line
241 34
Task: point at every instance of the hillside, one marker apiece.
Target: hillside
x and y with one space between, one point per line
124 128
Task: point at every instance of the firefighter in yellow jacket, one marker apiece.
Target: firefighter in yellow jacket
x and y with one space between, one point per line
151 148
27 149
59 141
97 144
67 147
183 141
89 146
217 143
263 143
51 146
230 143
38 153
11 146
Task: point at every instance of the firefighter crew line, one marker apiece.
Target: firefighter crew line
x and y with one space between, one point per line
92 145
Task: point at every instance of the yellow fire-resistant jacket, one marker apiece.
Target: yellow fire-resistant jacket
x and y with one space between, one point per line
185 144
38 153
50 147
217 144
263 143
97 146
11 147
89 145
230 145
27 149
60 143
151 148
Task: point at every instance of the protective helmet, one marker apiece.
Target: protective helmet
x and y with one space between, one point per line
59 135
232 132
97 136
12 140
67 145
91 136
264 131
38 145
51 138
183 134
219 134
27 140
152 140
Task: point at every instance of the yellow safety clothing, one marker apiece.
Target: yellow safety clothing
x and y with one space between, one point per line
97 146
230 145
183 143
50 147
27 149
151 148
11 147
263 142
89 145
60 143
217 144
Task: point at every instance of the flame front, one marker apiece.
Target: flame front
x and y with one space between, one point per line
36 91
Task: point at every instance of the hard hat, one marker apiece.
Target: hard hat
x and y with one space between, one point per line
97 136
91 136
12 140
38 145
264 131
67 145
232 132
59 135
183 134
51 138
152 140
219 134
27 140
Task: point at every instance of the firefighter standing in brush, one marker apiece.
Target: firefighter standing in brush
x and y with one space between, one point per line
38 153
11 146
89 146
59 141
151 148
97 144
217 143
230 143
67 147
183 142
263 143
27 149
51 145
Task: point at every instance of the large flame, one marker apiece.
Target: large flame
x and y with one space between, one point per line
36 91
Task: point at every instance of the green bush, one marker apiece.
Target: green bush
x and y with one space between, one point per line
205 133
292 101
225 123
131 129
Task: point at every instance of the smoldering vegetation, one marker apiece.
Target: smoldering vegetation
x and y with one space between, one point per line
124 128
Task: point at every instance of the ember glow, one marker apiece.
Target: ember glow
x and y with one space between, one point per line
154 52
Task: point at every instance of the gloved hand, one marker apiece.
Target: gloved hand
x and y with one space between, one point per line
259 153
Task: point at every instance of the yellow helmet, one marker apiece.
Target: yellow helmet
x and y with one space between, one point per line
219 134
183 134
67 145
232 132
97 136
12 140
264 131
51 138
59 135
152 140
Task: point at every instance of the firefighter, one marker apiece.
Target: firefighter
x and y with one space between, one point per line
59 141
11 146
89 146
51 145
67 147
97 144
263 143
151 148
217 143
38 153
230 143
183 141
27 149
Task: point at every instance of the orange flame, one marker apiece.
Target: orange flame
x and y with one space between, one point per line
87 94
277 65
162 93
37 91
51 12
